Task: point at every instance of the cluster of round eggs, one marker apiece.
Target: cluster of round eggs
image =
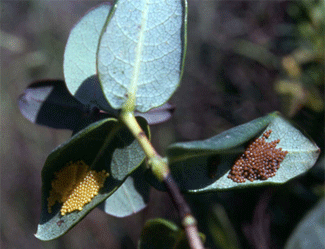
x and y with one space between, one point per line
75 186
260 160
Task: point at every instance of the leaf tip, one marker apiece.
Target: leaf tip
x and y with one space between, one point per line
40 237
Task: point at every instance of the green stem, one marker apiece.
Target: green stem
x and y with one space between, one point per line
158 165
161 170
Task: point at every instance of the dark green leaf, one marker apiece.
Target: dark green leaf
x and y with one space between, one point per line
87 146
163 234
158 233
226 141
221 229
310 231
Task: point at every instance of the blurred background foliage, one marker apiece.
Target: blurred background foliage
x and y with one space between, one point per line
244 59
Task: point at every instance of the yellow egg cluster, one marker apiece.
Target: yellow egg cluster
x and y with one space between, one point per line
260 160
74 186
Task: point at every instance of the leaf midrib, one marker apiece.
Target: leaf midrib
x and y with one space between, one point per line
138 51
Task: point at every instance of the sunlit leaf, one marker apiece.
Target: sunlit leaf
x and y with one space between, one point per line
141 52
80 59
80 52
219 153
201 166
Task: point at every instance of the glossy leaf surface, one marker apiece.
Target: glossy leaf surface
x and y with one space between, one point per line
141 52
86 146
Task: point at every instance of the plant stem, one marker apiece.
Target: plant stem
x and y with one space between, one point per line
188 220
157 164
161 170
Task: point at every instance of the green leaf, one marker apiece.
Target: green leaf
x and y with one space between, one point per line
131 197
158 233
163 234
310 231
87 145
202 166
81 49
141 52
226 141
199 154
222 232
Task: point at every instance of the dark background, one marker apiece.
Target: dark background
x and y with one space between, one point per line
244 60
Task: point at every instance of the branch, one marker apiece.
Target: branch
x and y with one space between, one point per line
161 170
188 220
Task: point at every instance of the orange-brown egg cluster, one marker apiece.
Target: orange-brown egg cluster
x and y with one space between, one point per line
260 160
74 186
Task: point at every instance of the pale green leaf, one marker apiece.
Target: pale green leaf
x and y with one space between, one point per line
131 197
202 166
80 52
141 52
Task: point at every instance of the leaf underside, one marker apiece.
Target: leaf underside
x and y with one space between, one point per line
131 197
141 52
80 52
202 166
